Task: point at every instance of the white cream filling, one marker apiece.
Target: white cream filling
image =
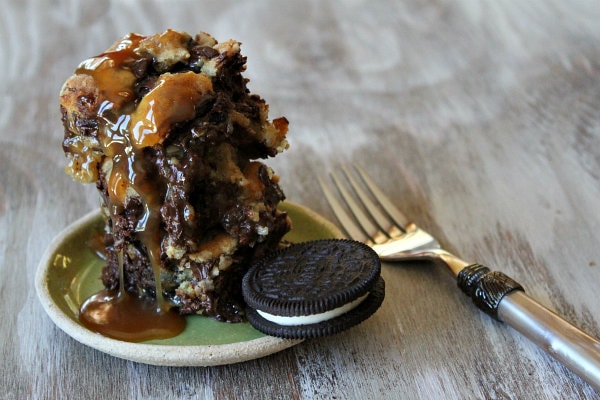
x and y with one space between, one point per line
313 318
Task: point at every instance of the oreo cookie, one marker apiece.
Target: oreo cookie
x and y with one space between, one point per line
313 289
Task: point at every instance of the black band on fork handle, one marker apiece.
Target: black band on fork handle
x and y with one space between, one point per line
486 288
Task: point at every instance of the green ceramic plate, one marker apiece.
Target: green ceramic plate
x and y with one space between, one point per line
69 273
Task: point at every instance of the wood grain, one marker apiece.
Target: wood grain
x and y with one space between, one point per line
481 119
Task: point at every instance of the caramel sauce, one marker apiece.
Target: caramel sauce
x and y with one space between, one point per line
172 100
126 131
115 83
123 316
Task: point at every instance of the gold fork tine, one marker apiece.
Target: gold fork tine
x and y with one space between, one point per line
351 228
385 202
372 231
383 220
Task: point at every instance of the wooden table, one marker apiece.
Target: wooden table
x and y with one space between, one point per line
480 118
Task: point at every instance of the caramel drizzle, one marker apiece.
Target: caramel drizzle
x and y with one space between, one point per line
128 130
119 315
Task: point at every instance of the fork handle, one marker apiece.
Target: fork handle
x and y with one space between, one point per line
486 288
505 300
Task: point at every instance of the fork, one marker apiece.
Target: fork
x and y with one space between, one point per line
376 221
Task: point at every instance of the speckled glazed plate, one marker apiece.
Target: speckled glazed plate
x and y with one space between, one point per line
69 273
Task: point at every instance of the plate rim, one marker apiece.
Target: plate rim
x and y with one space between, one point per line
157 354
